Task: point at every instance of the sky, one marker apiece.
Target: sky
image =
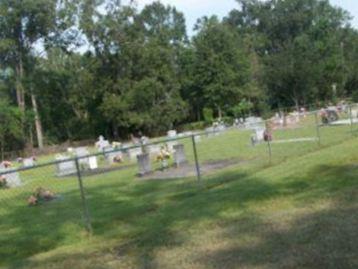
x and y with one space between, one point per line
194 9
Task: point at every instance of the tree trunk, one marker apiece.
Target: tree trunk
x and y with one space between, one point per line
20 93
219 112
38 124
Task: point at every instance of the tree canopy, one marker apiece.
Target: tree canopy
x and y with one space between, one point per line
73 70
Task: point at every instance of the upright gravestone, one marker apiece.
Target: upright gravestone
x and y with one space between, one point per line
258 136
92 162
101 144
172 134
28 162
144 166
65 166
134 152
82 155
179 155
13 179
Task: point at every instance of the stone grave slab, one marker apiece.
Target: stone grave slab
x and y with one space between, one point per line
144 166
179 155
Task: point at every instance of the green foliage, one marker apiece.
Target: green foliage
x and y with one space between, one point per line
242 109
142 73
193 126
208 114
10 126
220 66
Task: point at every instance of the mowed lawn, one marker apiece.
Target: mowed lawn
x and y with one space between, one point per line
299 212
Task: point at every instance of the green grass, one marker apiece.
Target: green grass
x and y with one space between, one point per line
298 212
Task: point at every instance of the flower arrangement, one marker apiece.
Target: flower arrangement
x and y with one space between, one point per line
39 196
163 156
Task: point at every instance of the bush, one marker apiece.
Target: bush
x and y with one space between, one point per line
199 125
228 120
208 114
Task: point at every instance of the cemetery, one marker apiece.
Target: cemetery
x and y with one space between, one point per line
154 177
174 134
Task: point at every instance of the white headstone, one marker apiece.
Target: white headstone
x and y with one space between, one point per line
179 155
134 152
81 153
144 166
92 161
13 179
172 133
197 138
101 144
65 168
28 162
254 122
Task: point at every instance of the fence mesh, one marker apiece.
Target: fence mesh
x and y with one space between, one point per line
42 204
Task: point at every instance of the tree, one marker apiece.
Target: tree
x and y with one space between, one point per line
300 49
138 70
10 126
221 68
24 25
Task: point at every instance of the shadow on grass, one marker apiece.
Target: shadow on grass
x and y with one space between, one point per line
323 239
149 212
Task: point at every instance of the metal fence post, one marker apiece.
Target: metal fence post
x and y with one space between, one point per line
269 150
351 118
83 197
196 159
317 128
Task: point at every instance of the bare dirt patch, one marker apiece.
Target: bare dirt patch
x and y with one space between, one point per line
189 170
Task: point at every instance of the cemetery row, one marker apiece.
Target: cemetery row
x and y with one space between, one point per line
143 151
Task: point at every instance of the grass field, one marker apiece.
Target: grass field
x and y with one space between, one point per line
300 211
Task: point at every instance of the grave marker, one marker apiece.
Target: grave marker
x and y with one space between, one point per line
179 155
144 166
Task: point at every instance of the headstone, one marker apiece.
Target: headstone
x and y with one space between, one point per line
133 153
144 166
172 133
13 179
82 154
254 123
116 145
65 166
258 136
28 162
179 155
154 150
92 162
197 138
221 128
101 144
188 133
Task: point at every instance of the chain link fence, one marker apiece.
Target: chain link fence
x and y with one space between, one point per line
41 203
